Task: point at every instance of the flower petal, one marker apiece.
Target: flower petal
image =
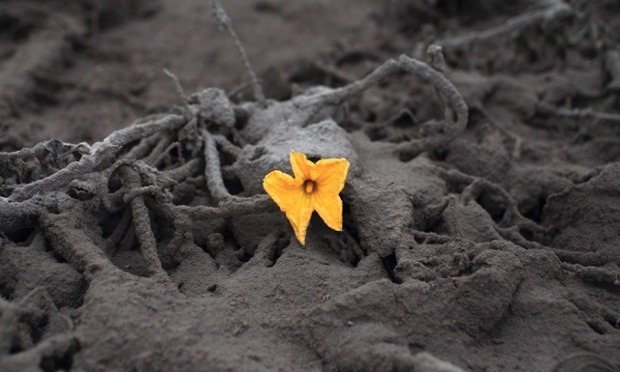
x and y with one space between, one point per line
329 206
283 189
332 174
290 196
300 217
302 167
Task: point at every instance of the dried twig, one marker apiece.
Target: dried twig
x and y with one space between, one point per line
158 151
165 155
425 72
213 173
142 223
119 232
224 21
139 192
184 171
180 93
580 113
102 153
227 146
334 72
23 153
144 147
19 215
73 244
555 9
511 218
230 208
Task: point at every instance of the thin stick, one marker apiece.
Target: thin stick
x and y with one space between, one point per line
160 149
227 146
477 185
74 245
166 153
23 153
224 21
427 73
180 93
142 223
118 233
556 9
420 69
102 152
17 215
213 172
581 113
241 206
184 171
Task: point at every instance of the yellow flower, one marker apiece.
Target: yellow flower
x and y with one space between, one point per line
315 188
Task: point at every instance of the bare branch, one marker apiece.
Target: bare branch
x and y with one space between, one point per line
443 86
184 171
74 245
556 9
224 21
230 208
580 113
180 93
102 153
18 215
142 223
213 172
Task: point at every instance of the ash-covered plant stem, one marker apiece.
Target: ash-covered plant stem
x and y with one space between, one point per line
213 173
102 152
224 22
428 74
554 9
141 219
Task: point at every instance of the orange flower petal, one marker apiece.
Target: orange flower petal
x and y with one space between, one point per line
302 167
332 173
329 206
290 196
300 216
283 189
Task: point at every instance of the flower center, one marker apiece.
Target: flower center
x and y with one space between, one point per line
309 186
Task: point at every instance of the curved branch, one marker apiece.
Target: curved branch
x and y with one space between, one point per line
18 215
428 74
102 153
213 172
142 222
230 208
224 21
74 245
556 9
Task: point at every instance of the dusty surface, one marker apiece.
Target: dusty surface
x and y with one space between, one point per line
498 249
